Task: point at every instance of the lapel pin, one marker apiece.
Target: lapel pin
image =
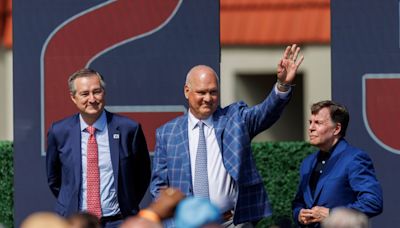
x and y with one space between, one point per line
116 136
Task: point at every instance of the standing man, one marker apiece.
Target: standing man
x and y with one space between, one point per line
338 175
96 161
207 152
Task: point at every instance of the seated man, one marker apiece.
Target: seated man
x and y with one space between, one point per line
338 175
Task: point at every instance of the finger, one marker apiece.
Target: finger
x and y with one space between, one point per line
292 51
296 53
286 53
280 63
306 210
314 220
300 61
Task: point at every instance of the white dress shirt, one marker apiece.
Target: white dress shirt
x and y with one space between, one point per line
223 189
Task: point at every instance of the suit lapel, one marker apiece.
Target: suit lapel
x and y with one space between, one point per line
329 168
76 150
182 141
308 198
219 122
113 140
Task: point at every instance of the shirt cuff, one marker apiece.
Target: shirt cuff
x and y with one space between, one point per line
282 95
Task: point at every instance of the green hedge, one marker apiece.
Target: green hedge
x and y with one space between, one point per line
279 163
6 183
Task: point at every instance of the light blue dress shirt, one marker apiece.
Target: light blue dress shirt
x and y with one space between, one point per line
108 195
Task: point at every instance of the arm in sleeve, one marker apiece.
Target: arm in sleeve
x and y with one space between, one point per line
53 163
365 185
262 116
159 179
142 162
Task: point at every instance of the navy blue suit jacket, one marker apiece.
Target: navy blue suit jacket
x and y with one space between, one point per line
348 180
129 157
235 126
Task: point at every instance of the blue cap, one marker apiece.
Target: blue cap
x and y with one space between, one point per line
194 212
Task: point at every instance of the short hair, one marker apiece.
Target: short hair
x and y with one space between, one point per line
82 73
345 218
338 113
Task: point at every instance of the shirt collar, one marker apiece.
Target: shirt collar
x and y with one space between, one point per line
100 123
325 155
193 121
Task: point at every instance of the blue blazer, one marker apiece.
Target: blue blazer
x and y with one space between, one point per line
235 126
348 180
129 157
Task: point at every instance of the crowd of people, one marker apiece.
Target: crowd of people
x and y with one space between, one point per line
98 165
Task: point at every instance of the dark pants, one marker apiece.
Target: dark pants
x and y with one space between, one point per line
112 221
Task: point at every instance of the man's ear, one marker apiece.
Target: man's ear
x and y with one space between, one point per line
186 90
337 129
72 96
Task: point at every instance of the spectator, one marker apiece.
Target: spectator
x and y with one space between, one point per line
345 218
44 220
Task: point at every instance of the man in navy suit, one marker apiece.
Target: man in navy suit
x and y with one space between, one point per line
338 175
228 175
115 178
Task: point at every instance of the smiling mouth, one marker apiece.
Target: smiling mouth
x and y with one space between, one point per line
93 106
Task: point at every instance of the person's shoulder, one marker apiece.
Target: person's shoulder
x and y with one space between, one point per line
353 154
356 152
236 105
120 119
65 123
352 150
171 124
231 109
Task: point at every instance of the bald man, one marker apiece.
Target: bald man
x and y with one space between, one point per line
207 152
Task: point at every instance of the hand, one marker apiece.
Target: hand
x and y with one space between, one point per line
313 215
287 66
319 213
166 203
305 216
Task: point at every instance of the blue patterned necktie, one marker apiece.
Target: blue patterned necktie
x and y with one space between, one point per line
200 187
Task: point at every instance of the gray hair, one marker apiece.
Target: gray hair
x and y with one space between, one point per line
82 73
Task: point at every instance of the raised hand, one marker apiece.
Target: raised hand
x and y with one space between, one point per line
288 65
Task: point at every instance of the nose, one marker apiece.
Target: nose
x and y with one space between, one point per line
311 127
207 97
92 98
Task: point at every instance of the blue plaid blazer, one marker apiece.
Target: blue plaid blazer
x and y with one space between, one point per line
235 126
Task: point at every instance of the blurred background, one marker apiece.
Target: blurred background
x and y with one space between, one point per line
253 34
